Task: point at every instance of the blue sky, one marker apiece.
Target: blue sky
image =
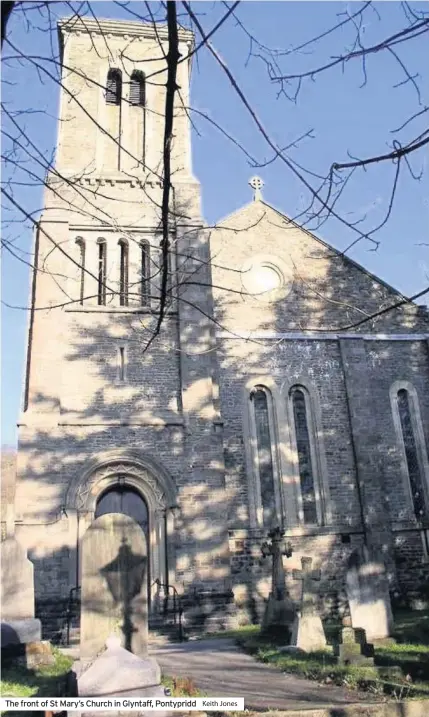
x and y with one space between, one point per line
344 117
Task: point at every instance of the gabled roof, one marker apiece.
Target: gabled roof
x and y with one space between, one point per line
331 248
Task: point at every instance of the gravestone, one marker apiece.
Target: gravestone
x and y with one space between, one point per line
21 642
368 595
353 648
116 672
114 585
280 609
307 629
18 624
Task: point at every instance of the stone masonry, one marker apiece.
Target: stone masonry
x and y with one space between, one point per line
175 421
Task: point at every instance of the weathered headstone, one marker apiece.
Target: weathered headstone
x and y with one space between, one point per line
353 648
21 632
368 595
116 672
280 609
114 585
18 624
307 629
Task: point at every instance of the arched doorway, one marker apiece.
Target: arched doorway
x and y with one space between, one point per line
123 476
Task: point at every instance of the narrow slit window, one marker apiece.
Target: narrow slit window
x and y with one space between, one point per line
305 461
121 363
114 87
415 475
102 260
137 89
81 244
170 276
123 273
145 274
265 467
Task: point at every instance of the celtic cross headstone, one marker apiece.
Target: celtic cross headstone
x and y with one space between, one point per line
277 548
280 610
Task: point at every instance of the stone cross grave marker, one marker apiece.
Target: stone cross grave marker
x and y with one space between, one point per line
114 589
277 548
280 610
307 630
307 576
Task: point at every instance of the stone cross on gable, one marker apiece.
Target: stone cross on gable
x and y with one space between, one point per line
307 575
256 183
277 548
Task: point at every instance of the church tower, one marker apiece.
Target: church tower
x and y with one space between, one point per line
115 417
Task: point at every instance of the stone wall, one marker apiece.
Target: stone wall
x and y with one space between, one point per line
184 401
251 575
350 379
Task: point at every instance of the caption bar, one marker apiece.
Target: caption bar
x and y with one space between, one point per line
136 704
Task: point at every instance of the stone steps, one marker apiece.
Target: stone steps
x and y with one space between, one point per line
161 632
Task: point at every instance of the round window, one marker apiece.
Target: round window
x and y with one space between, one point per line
262 279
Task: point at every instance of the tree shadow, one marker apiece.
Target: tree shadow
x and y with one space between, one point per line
183 401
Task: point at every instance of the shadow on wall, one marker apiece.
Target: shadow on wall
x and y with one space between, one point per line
101 407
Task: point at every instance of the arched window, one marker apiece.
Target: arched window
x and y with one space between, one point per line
260 399
81 244
303 433
114 87
413 450
123 273
137 89
102 264
145 274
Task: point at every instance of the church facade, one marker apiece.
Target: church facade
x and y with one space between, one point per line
269 398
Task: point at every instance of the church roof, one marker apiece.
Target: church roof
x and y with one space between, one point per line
259 201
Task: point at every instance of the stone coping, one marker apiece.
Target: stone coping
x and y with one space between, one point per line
121 27
297 531
239 334
91 309
72 418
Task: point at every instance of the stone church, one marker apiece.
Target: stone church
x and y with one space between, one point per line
269 398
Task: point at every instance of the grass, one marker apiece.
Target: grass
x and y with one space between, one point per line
245 630
409 653
412 626
48 681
